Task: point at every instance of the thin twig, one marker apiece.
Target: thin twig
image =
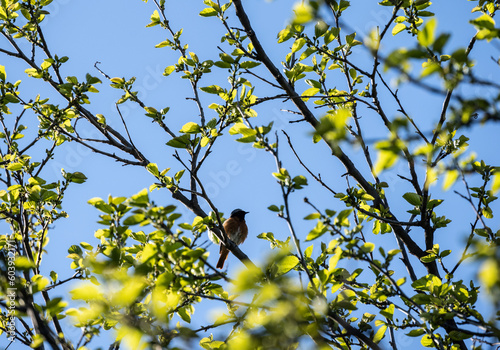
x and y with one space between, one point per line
316 177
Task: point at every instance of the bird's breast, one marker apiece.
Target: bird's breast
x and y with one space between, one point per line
236 230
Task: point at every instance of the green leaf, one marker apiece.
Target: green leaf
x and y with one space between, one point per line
204 141
426 35
208 12
320 28
330 212
213 89
332 263
415 332
209 343
140 199
484 22
309 250
331 35
312 216
53 276
317 231
226 58
3 75
14 166
413 198
430 67
445 253
309 93
92 80
342 218
179 174
450 178
332 126
286 264
285 34
115 80
11 98
168 70
298 44
46 64
86 246
487 213
37 342
241 128
495 187
182 141
190 128
489 273
153 169
134 219
380 334
398 28
313 83
249 64
23 263
75 250
299 181
308 52
385 160
155 19
426 14
33 72
427 341
222 64
99 204
273 208
76 177
303 13
247 279
428 258
131 290
421 299
388 312
86 292
367 247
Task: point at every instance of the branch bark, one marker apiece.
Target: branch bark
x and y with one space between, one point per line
262 56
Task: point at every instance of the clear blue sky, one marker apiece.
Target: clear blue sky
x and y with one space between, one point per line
113 32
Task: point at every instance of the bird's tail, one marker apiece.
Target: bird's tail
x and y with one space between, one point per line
223 256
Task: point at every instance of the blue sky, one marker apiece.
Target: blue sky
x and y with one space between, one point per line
113 32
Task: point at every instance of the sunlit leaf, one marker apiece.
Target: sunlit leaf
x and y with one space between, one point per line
286 264
426 35
398 28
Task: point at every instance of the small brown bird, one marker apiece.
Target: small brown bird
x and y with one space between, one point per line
237 231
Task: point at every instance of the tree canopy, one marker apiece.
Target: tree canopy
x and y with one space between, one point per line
360 137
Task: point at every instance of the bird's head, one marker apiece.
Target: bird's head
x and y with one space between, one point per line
238 213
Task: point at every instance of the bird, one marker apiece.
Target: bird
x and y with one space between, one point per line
236 229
